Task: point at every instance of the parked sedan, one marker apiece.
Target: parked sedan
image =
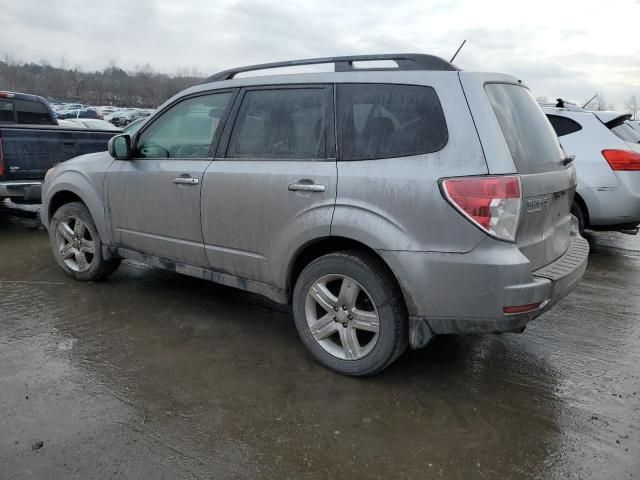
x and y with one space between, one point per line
134 126
94 123
125 118
607 158
79 113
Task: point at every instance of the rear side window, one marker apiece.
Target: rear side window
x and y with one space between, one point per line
281 124
563 126
532 141
6 111
33 113
384 121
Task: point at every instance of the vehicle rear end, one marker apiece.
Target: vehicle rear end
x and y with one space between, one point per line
523 204
624 160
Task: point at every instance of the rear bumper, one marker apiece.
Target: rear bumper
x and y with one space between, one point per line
26 190
466 293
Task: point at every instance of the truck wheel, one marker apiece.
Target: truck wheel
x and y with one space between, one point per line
350 313
76 244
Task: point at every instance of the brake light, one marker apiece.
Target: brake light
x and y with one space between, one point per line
491 203
622 160
7 95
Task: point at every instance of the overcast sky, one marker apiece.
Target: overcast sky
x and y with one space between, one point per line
568 49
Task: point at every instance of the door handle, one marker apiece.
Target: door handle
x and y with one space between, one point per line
186 181
305 187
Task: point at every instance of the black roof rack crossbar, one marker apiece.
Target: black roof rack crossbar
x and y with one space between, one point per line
405 61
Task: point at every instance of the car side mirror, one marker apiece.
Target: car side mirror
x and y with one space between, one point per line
119 147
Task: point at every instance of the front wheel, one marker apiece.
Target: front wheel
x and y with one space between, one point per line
350 313
76 244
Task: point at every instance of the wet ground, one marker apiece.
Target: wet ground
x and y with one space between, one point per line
157 375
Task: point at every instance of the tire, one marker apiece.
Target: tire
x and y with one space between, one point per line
73 235
335 279
576 210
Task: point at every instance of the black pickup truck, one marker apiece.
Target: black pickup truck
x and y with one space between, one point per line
31 142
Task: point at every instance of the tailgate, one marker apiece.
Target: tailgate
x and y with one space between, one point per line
525 143
30 151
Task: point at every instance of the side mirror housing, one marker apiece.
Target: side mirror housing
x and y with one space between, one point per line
119 147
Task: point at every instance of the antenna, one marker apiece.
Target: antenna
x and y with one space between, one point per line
457 51
590 100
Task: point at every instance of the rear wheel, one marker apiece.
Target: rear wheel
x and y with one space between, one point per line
350 314
76 244
576 211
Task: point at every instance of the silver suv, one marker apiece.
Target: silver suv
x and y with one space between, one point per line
386 204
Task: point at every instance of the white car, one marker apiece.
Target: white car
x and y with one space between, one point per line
607 160
635 124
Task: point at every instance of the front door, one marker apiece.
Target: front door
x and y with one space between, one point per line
154 198
272 186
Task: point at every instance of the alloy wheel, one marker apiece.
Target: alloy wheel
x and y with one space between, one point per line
75 244
342 317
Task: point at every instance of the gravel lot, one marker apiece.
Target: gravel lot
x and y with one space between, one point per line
157 375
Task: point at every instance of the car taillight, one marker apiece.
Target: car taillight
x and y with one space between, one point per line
622 160
491 203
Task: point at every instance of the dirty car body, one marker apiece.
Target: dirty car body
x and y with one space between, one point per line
388 205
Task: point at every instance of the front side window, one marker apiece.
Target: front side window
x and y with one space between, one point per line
186 130
6 111
281 124
383 121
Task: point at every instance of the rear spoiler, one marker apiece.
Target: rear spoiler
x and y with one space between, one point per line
612 119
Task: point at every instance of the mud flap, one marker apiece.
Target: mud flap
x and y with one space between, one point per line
419 333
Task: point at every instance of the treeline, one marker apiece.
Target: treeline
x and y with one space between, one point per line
142 87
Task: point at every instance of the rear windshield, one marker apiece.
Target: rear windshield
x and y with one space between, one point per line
6 111
532 141
34 113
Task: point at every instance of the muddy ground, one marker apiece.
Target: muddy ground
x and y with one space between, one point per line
154 375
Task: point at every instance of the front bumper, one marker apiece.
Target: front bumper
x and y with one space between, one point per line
466 293
26 190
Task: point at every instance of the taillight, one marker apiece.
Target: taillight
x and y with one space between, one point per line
491 203
1 160
622 160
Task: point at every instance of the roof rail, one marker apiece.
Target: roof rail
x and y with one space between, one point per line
405 61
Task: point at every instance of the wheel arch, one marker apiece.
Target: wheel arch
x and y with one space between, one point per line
79 191
325 245
583 206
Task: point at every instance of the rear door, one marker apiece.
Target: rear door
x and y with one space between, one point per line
518 138
272 186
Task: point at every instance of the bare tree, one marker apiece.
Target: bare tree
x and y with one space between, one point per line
632 106
144 87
